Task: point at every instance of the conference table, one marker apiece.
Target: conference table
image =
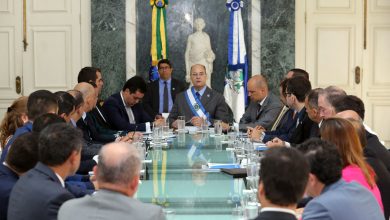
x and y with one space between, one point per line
178 177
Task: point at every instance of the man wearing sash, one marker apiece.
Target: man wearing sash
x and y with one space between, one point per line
200 103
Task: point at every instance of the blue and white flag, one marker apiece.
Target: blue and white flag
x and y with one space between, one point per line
236 74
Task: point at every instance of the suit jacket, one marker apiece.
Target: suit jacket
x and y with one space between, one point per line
342 200
24 129
151 99
274 215
268 113
8 179
213 102
303 130
377 150
286 125
37 195
382 181
116 114
106 204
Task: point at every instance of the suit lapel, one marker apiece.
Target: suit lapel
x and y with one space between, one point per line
206 97
121 105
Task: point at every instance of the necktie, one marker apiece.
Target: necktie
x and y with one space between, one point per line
197 95
165 96
258 111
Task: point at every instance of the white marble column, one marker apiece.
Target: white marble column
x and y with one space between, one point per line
131 38
256 37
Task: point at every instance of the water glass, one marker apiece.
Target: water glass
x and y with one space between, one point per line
205 126
165 130
157 134
181 123
218 127
181 138
251 210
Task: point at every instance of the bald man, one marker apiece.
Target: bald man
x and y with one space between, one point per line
118 176
264 106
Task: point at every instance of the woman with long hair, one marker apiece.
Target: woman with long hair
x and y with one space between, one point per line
14 118
342 133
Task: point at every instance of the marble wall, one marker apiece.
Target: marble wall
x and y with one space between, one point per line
277 39
109 43
180 17
111 20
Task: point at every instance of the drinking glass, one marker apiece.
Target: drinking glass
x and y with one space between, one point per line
218 127
181 123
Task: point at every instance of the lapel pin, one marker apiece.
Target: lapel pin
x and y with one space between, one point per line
173 89
208 95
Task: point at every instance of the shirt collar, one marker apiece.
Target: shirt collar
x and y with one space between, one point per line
61 180
262 101
162 81
123 100
201 92
73 122
276 209
84 115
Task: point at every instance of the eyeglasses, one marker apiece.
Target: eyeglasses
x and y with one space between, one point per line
198 74
164 68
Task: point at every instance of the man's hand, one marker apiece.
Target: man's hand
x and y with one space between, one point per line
276 142
225 126
159 122
197 121
158 117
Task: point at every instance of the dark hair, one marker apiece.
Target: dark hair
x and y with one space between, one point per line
166 61
45 120
66 103
13 119
299 86
57 142
312 97
284 173
78 98
324 159
41 102
134 84
23 155
300 72
88 74
349 102
283 85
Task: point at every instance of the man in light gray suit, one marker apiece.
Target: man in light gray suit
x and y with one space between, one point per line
334 198
264 106
117 175
200 102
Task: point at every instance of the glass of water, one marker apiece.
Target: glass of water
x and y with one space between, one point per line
181 123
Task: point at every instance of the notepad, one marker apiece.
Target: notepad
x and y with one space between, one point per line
222 165
260 146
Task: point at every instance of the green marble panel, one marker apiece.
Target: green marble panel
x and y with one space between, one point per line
109 43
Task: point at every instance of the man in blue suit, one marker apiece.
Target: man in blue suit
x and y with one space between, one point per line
41 191
124 110
22 156
283 178
333 197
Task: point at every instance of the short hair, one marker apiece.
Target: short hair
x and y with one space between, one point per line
45 120
88 74
57 142
134 84
324 159
332 93
66 102
118 170
284 173
41 102
312 97
13 119
299 86
300 72
350 102
166 61
23 155
78 98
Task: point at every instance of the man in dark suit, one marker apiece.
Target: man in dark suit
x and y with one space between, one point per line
124 110
264 107
22 156
41 191
161 93
206 103
283 179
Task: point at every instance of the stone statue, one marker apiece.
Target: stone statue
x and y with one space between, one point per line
199 50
